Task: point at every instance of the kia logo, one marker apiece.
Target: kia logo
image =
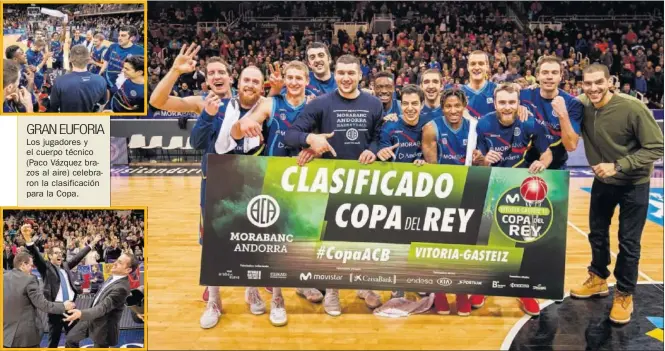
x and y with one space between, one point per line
444 282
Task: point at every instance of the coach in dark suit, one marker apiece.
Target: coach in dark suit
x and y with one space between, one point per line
58 280
21 300
101 321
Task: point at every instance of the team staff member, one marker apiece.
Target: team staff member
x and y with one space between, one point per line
78 90
349 121
559 112
621 142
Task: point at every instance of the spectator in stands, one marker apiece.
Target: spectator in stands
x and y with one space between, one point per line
640 83
627 90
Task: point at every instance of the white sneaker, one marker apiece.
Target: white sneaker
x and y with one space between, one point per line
331 303
311 294
278 312
255 302
211 315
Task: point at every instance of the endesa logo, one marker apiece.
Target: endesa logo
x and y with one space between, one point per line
443 281
424 281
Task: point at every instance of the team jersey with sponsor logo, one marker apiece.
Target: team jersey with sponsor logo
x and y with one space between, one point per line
408 137
281 118
115 56
542 109
356 124
395 107
317 87
129 98
34 59
56 49
513 141
481 101
80 41
451 144
428 114
97 55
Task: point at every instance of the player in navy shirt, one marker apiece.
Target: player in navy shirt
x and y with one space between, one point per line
97 54
129 98
27 76
77 39
38 59
559 112
116 55
204 136
400 141
321 79
431 82
16 98
78 90
503 140
384 89
273 117
57 50
349 121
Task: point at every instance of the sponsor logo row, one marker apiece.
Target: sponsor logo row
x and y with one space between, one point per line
391 279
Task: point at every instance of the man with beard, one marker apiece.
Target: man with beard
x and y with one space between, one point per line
559 112
270 120
117 53
621 141
321 79
205 136
58 279
16 99
503 140
356 140
451 140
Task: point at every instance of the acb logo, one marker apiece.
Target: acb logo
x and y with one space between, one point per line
263 211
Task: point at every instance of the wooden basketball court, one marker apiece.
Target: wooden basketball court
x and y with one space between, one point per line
174 298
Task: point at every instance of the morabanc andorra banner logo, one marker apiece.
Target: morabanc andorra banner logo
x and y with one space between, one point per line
384 226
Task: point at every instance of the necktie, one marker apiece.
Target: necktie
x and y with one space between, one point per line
99 293
63 286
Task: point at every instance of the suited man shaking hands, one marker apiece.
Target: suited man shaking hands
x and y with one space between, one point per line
101 321
58 279
22 297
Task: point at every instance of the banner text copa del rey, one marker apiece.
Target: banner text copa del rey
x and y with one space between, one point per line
385 226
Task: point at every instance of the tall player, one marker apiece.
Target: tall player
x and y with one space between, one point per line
129 98
431 82
321 79
450 140
97 53
58 51
504 139
116 55
559 112
479 91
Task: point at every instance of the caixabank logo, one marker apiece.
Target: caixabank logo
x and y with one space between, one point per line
524 213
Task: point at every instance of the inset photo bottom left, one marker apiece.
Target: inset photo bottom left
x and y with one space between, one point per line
73 277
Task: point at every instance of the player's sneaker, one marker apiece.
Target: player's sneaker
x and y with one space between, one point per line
372 299
463 304
311 294
254 300
477 301
441 305
622 307
331 303
211 315
530 306
594 285
205 294
278 312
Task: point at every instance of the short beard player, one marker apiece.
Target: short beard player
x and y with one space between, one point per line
504 140
204 136
451 140
270 120
97 54
559 112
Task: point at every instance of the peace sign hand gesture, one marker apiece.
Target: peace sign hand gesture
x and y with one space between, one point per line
185 62
276 79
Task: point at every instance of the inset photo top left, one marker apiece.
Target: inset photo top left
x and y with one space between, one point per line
74 58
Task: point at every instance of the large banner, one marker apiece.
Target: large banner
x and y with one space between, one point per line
386 226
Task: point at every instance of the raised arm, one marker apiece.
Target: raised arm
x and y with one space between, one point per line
161 97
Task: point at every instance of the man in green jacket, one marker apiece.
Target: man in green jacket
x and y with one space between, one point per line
621 141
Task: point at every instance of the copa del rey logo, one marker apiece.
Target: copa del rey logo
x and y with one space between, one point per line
263 211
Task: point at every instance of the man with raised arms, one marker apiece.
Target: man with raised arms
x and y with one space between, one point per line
349 121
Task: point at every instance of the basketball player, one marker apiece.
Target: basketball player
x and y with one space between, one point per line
504 140
116 55
78 90
97 53
355 140
58 52
321 79
621 142
384 89
450 140
38 59
27 79
431 82
204 137
559 112
77 39
16 99
400 140
129 98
